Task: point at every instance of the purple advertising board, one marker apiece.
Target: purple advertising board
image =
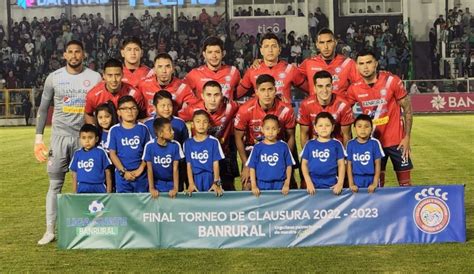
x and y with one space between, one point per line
253 26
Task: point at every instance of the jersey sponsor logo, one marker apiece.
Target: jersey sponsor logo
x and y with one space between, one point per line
383 92
206 79
362 95
272 159
132 142
87 165
373 103
431 214
227 78
163 161
323 156
279 83
316 68
363 158
200 156
381 121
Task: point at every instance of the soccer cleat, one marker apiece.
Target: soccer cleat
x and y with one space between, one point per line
47 238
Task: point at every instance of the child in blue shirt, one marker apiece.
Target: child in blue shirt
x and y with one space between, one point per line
106 117
322 162
126 143
89 165
270 161
364 156
163 102
203 153
162 156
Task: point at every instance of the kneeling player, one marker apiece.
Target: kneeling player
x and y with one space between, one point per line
270 161
89 165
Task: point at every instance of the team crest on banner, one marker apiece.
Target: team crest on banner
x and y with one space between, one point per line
431 213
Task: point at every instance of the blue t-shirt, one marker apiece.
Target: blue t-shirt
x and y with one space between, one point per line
202 154
103 139
90 165
162 157
270 161
128 144
363 155
181 131
322 157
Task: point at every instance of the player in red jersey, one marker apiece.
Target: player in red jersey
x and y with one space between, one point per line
285 74
221 111
248 122
111 89
343 69
133 71
383 96
324 100
163 79
227 76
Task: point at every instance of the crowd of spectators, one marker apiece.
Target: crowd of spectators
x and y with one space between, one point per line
457 31
390 44
35 47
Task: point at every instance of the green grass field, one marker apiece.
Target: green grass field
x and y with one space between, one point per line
443 149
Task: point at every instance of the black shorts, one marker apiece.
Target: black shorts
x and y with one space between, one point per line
399 164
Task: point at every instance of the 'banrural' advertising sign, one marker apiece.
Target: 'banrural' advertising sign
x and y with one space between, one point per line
443 102
422 214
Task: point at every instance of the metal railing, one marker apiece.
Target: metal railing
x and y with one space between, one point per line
440 85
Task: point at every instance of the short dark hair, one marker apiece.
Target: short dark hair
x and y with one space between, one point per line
110 108
269 36
213 41
160 95
75 42
270 117
113 63
89 128
159 123
326 115
201 112
265 78
364 117
163 55
212 83
322 75
324 31
366 52
131 40
126 99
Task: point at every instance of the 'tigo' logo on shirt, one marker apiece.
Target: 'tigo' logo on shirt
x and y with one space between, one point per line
132 143
163 161
201 156
271 159
86 165
322 155
362 158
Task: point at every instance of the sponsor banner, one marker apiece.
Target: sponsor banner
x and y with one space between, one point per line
254 26
442 102
422 214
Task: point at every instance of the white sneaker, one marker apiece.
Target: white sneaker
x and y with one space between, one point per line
47 238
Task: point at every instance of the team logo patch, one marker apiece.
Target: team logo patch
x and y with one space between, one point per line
86 83
431 213
227 78
282 75
338 69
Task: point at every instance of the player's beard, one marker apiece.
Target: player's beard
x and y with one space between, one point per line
74 66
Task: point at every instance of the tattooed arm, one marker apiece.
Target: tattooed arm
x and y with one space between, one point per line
404 145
